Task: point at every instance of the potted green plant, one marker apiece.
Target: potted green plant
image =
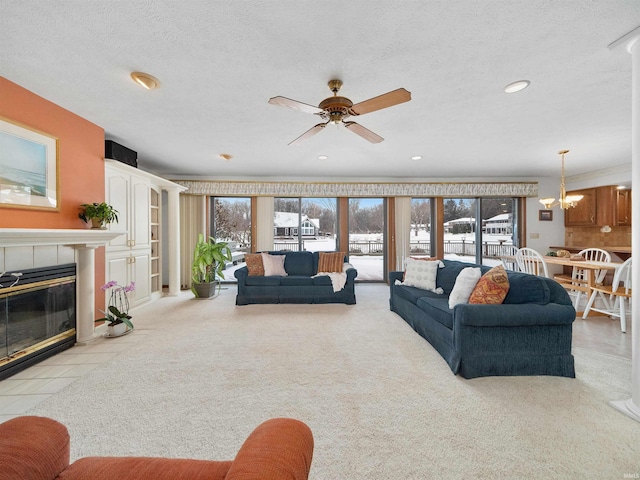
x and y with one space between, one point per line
99 214
209 259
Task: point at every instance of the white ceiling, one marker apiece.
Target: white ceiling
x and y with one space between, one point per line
219 62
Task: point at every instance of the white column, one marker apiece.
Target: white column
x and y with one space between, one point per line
85 292
173 242
631 44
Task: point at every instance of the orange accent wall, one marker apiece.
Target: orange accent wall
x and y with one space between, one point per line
80 164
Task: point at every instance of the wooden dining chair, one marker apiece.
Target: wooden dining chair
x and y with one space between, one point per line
530 261
614 298
508 257
577 283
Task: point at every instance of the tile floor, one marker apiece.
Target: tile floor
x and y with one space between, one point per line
28 388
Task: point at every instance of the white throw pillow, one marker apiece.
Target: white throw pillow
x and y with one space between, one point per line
465 283
273 265
422 274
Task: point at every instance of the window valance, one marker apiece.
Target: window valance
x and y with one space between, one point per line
354 189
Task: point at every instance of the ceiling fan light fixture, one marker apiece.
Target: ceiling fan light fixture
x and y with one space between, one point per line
145 80
517 86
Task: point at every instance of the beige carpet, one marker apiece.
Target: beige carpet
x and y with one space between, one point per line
382 404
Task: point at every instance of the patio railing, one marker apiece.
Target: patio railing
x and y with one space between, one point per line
458 247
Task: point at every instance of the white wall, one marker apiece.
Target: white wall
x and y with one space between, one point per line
542 235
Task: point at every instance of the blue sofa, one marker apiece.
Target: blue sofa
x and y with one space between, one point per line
299 286
528 334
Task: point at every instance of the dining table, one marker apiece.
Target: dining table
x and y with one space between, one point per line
588 265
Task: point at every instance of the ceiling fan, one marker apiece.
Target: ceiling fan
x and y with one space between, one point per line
337 109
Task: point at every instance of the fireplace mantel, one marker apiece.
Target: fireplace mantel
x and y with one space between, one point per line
84 242
22 237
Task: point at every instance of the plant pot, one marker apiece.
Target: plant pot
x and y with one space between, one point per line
205 290
95 223
116 330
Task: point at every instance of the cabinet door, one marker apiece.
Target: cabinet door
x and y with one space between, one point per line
623 208
118 196
584 213
139 221
140 273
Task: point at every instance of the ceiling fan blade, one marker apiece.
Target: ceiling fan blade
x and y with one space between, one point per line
363 132
309 133
385 100
294 104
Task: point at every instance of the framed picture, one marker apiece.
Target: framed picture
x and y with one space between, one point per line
545 215
28 168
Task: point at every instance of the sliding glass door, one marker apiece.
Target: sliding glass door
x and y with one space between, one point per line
367 245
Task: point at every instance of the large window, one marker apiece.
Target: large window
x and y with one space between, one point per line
367 244
499 227
305 224
420 235
480 230
231 222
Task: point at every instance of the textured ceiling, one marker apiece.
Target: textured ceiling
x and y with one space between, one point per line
219 62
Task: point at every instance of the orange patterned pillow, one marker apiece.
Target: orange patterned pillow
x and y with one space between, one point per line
492 287
331 262
254 264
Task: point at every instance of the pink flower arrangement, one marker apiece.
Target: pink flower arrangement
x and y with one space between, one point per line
126 289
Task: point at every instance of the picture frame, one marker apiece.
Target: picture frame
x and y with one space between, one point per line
29 168
545 215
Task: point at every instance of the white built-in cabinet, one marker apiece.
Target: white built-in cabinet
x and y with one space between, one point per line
129 257
137 256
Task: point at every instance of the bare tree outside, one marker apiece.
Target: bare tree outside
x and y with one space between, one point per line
231 220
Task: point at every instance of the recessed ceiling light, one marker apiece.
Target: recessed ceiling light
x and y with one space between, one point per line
416 157
145 80
516 86
322 157
225 156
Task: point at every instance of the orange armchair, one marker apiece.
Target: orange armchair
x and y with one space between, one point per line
37 448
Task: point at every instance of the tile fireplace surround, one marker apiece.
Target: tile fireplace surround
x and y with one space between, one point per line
21 241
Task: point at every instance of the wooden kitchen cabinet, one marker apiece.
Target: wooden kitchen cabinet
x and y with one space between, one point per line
584 214
623 208
599 206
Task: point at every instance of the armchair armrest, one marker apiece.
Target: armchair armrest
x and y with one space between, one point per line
241 274
33 448
279 448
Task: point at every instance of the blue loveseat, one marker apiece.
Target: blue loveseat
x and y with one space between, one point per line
528 334
299 286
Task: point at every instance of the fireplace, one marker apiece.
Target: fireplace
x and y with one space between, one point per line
37 315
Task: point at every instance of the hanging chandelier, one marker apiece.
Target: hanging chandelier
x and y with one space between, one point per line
565 201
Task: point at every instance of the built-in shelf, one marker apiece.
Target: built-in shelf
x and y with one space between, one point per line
156 264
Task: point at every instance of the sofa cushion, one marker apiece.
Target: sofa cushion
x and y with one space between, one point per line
421 274
331 261
263 281
446 277
411 294
273 265
492 287
299 263
526 288
465 283
437 308
322 280
296 280
254 264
